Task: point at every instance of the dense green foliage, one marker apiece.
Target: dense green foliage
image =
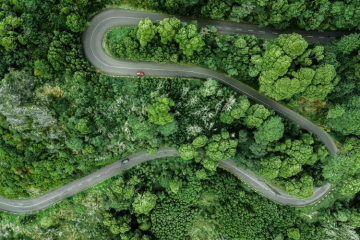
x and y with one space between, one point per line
135 118
288 67
60 120
310 15
210 205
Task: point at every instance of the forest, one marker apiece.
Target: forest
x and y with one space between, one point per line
174 199
309 15
61 120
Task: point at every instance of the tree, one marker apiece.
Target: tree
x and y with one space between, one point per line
239 111
175 184
301 188
44 69
292 44
349 43
240 12
169 128
145 32
347 165
189 39
209 87
323 82
293 233
145 226
256 114
118 185
271 130
219 147
304 76
200 141
46 222
121 225
343 118
158 112
310 56
141 128
215 9
296 153
187 151
168 28
201 174
65 51
270 167
9 38
289 167
335 112
128 191
144 203
172 220
226 118
83 126
350 186
76 22
284 53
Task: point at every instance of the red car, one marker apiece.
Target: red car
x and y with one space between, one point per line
140 74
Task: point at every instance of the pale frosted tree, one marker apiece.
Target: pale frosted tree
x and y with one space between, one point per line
184 92
194 130
16 93
192 101
229 104
204 31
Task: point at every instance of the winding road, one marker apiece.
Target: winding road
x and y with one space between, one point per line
92 40
100 23
33 205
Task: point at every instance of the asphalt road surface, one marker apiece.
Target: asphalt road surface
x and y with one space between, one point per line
92 40
36 204
268 190
100 23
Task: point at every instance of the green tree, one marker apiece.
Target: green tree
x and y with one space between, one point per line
200 141
292 44
74 144
44 69
256 115
144 203
145 226
301 188
168 129
270 166
83 126
239 111
172 220
271 130
293 233
323 82
158 112
76 22
219 147
168 28
145 32
189 39
175 184
187 151
9 37
118 185
128 191
349 43
350 186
